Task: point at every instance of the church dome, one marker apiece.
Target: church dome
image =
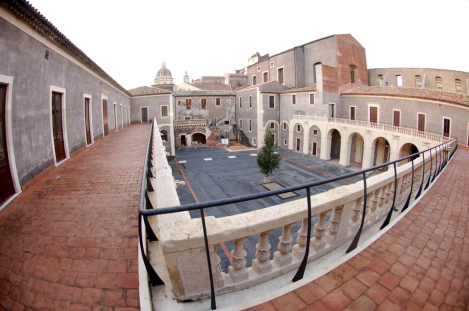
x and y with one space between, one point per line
163 72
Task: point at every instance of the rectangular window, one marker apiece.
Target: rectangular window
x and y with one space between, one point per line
311 99
188 104
280 76
298 128
164 111
458 85
204 103
218 101
293 99
250 125
421 122
187 118
254 78
266 76
241 124
315 147
374 114
227 122
418 81
446 127
272 125
240 102
285 142
315 132
271 101
284 126
298 143
396 118
352 74
352 113
250 101
332 110
439 83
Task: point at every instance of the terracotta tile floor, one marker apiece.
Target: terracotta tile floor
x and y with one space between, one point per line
420 264
71 243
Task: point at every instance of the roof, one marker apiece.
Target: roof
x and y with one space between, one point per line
311 88
148 90
186 93
34 19
417 68
213 86
408 92
163 72
253 86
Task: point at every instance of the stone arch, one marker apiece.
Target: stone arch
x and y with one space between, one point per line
357 148
164 135
169 136
407 149
198 139
314 138
380 151
298 137
284 134
336 137
275 130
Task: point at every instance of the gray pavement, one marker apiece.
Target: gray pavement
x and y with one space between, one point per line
224 177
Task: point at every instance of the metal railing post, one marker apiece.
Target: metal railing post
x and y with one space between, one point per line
429 173
154 278
301 270
423 176
207 251
388 217
359 232
406 205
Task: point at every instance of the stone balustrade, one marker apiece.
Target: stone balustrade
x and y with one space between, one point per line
182 238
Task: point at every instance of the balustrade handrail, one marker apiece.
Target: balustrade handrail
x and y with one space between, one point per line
146 209
368 124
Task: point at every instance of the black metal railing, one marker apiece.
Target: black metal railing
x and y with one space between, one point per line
146 208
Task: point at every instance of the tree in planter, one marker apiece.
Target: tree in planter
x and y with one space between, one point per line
267 160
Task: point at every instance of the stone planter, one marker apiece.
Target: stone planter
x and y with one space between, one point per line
266 179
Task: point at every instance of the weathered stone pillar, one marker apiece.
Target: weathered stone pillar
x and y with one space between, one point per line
262 263
283 256
237 270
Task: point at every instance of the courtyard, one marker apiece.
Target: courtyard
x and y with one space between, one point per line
216 173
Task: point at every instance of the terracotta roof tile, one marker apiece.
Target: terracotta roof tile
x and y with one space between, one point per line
148 90
408 92
311 88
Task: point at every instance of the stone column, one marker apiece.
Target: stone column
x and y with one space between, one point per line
237 270
306 138
345 150
368 151
262 262
283 256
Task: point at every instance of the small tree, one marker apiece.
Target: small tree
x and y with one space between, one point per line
267 160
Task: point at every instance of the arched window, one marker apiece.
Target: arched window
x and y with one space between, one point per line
458 85
380 77
418 81
399 80
439 83
164 135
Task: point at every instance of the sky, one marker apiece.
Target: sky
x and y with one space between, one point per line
130 39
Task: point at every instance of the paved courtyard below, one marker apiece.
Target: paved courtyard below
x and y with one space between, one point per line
215 173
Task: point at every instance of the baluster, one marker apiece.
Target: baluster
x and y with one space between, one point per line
216 268
262 263
389 194
318 242
283 256
368 203
334 223
237 270
374 205
381 200
300 248
354 220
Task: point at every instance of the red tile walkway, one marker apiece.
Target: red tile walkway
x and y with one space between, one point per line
420 264
71 243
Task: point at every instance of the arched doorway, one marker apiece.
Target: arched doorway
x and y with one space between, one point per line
335 144
356 150
382 150
408 149
198 139
164 135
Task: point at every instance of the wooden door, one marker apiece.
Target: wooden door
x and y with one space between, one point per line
144 115
374 114
87 121
421 122
57 128
6 183
298 142
105 119
314 148
397 118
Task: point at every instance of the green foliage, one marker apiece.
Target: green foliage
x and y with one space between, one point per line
266 159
